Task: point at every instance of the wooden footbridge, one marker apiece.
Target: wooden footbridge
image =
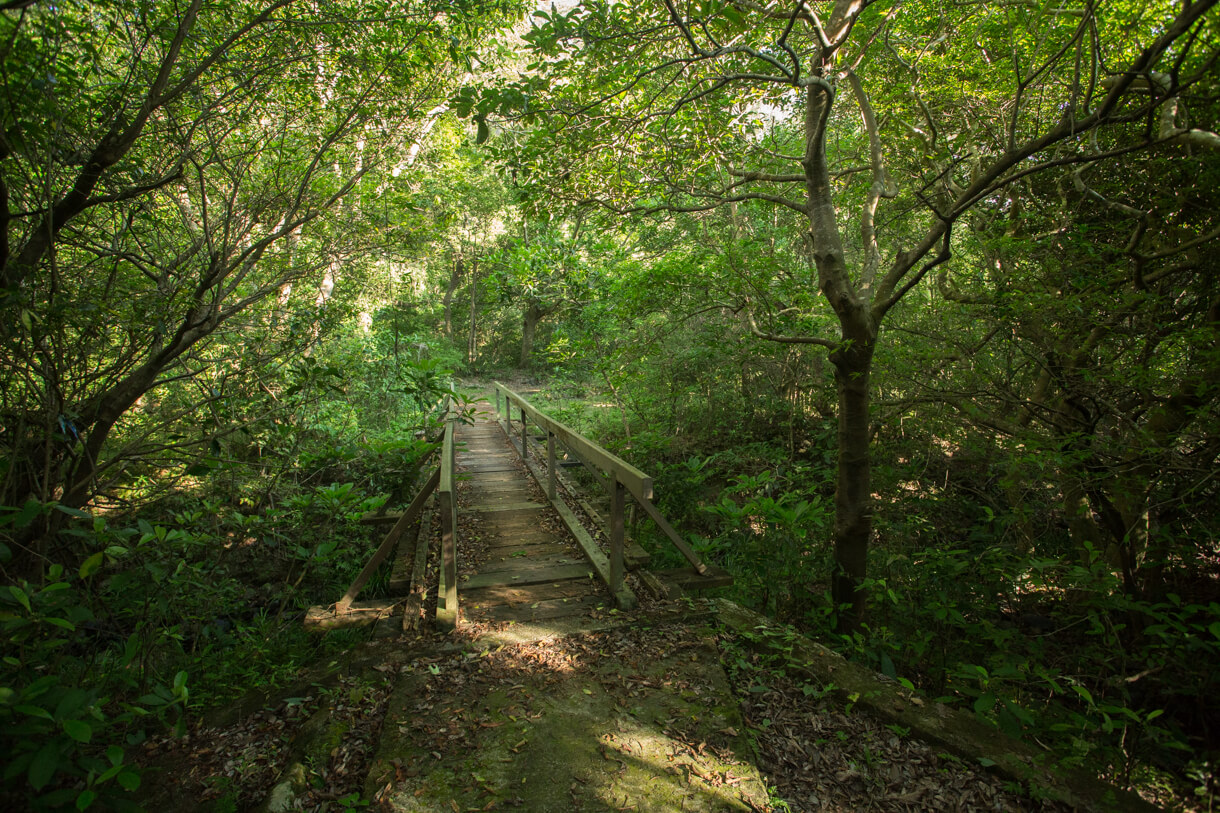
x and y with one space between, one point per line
496 534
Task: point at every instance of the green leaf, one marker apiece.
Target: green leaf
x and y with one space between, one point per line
114 753
78 730
130 780
85 799
91 565
984 703
20 596
45 763
482 133
34 711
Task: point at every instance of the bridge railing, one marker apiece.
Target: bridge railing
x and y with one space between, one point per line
446 499
616 475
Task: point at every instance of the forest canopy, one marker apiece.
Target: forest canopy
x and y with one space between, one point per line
911 308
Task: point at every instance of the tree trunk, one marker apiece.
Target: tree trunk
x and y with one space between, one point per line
455 277
472 346
533 315
853 483
853 361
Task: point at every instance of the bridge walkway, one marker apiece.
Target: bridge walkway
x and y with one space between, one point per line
519 562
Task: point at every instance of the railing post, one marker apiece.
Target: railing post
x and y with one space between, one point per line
618 495
524 436
550 464
447 615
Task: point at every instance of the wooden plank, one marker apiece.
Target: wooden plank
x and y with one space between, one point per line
391 538
490 596
515 550
507 507
636 481
625 599
477 486
500 498
358 614
497 541
539 576
542 610
493 476
659 588
690 579
513 564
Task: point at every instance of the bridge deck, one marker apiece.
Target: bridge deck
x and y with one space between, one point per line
519 561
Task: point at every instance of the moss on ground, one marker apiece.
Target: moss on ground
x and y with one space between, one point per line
621 730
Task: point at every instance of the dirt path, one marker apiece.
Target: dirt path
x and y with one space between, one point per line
631 719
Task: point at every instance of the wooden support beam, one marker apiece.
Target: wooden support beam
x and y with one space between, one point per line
617 509
387 544
689 579
413 610
667 529
446 498
359 614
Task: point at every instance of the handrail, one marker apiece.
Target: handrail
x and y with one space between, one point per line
635 481
447 598
621 477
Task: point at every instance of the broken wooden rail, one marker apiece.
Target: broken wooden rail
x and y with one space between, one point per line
616 475
347 610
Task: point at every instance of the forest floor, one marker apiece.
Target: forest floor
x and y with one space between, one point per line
658 709
635 716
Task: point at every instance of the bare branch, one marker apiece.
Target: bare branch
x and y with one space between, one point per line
775 337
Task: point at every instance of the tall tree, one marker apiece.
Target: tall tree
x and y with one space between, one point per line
166 170
669 106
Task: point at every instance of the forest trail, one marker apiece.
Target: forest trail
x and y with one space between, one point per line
556 702
624 718
526 565
549 697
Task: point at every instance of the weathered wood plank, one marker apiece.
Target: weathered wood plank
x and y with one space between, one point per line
489 596
522 549
538 576
513 564
502 508
358 614
542 610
